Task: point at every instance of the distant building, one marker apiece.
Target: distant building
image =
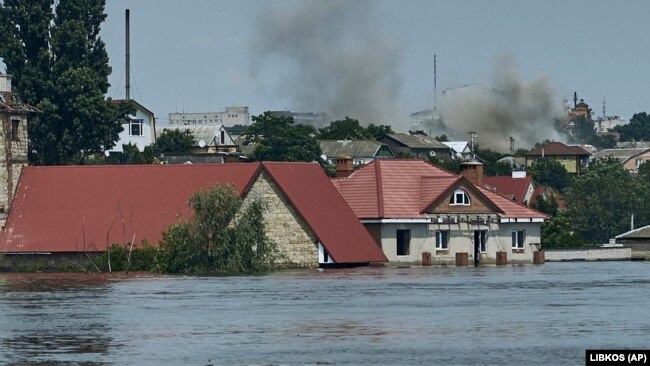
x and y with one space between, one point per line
460 149
630 158
229 117
360 151
318 120
574 158
139 129
207 139
605 124
415 145
427 121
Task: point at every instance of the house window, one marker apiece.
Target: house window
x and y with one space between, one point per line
459 197
442 239
15 122
403 242
518 237
135 127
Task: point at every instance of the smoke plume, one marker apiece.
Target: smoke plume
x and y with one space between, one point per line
332 57
512 107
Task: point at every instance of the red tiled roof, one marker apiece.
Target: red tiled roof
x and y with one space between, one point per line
557 148
325 212
391 188
509 186
71 209
398 188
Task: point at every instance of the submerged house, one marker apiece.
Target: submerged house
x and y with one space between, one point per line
74 210
418 212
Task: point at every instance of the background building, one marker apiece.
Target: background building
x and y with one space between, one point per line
229 117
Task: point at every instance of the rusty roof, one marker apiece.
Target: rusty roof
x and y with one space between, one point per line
84 208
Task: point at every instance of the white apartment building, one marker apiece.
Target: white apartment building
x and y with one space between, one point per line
229 117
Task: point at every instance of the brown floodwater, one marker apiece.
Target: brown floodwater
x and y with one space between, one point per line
510 315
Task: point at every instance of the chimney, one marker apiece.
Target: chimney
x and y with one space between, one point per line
5 83
343 166
472 170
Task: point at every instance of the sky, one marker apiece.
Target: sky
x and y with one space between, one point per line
373 60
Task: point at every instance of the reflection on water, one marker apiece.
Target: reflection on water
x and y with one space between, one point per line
508 315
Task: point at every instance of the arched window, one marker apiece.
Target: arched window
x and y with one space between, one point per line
459 197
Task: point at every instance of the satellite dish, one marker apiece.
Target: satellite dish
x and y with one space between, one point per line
107 153
323 157
432 153
201 143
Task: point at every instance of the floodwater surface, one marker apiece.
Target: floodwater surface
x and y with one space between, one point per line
510 315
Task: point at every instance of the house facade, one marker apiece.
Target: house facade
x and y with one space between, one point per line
139 130
63 210
631 158
574 158
417 212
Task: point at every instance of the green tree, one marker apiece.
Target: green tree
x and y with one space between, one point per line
558 233
174 141
638 129
548 206
492 167
222 237
550 173
60 65
601 201
278 139
584 133
351 129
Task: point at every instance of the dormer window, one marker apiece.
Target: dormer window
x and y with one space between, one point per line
459 197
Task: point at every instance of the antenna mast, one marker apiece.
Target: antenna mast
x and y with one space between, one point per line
435 84
128 57
604 107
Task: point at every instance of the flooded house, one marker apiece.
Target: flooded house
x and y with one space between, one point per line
68 211
420 213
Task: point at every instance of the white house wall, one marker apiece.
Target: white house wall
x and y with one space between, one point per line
461 240
146 139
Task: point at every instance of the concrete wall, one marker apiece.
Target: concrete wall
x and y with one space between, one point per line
596 254
297 245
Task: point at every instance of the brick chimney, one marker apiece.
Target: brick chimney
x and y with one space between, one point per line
472 170
344 166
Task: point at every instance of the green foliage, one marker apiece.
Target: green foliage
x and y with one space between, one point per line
644 171
60 65
351 129
278 139
638 129
548 206
585 133
442 138
601 201
174 141
491 166
557 233
452 165
142 258
551 173
222 237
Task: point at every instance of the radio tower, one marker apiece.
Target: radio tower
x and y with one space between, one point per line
435 85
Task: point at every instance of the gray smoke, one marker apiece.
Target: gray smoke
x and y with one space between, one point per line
333 58
511 107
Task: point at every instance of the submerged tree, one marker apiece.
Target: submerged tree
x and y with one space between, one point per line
60 65
222 237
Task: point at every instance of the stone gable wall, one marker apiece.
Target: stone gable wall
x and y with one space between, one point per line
16 151
296 243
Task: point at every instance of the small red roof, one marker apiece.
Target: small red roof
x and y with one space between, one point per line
509 186
84 208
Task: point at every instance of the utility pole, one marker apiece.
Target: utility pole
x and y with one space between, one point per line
512 145
472 135
435 85
128 57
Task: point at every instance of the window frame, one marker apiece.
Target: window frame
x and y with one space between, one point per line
515 238
465 201
136 122
442 239
15 125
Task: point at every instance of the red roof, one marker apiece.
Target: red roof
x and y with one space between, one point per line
82 208
557 148
509 186
395 188
392 188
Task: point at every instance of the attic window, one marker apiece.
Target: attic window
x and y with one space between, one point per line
15 122
459 197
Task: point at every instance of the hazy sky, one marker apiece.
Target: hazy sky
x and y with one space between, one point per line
374 57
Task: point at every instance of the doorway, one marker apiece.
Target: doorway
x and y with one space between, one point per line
480 245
